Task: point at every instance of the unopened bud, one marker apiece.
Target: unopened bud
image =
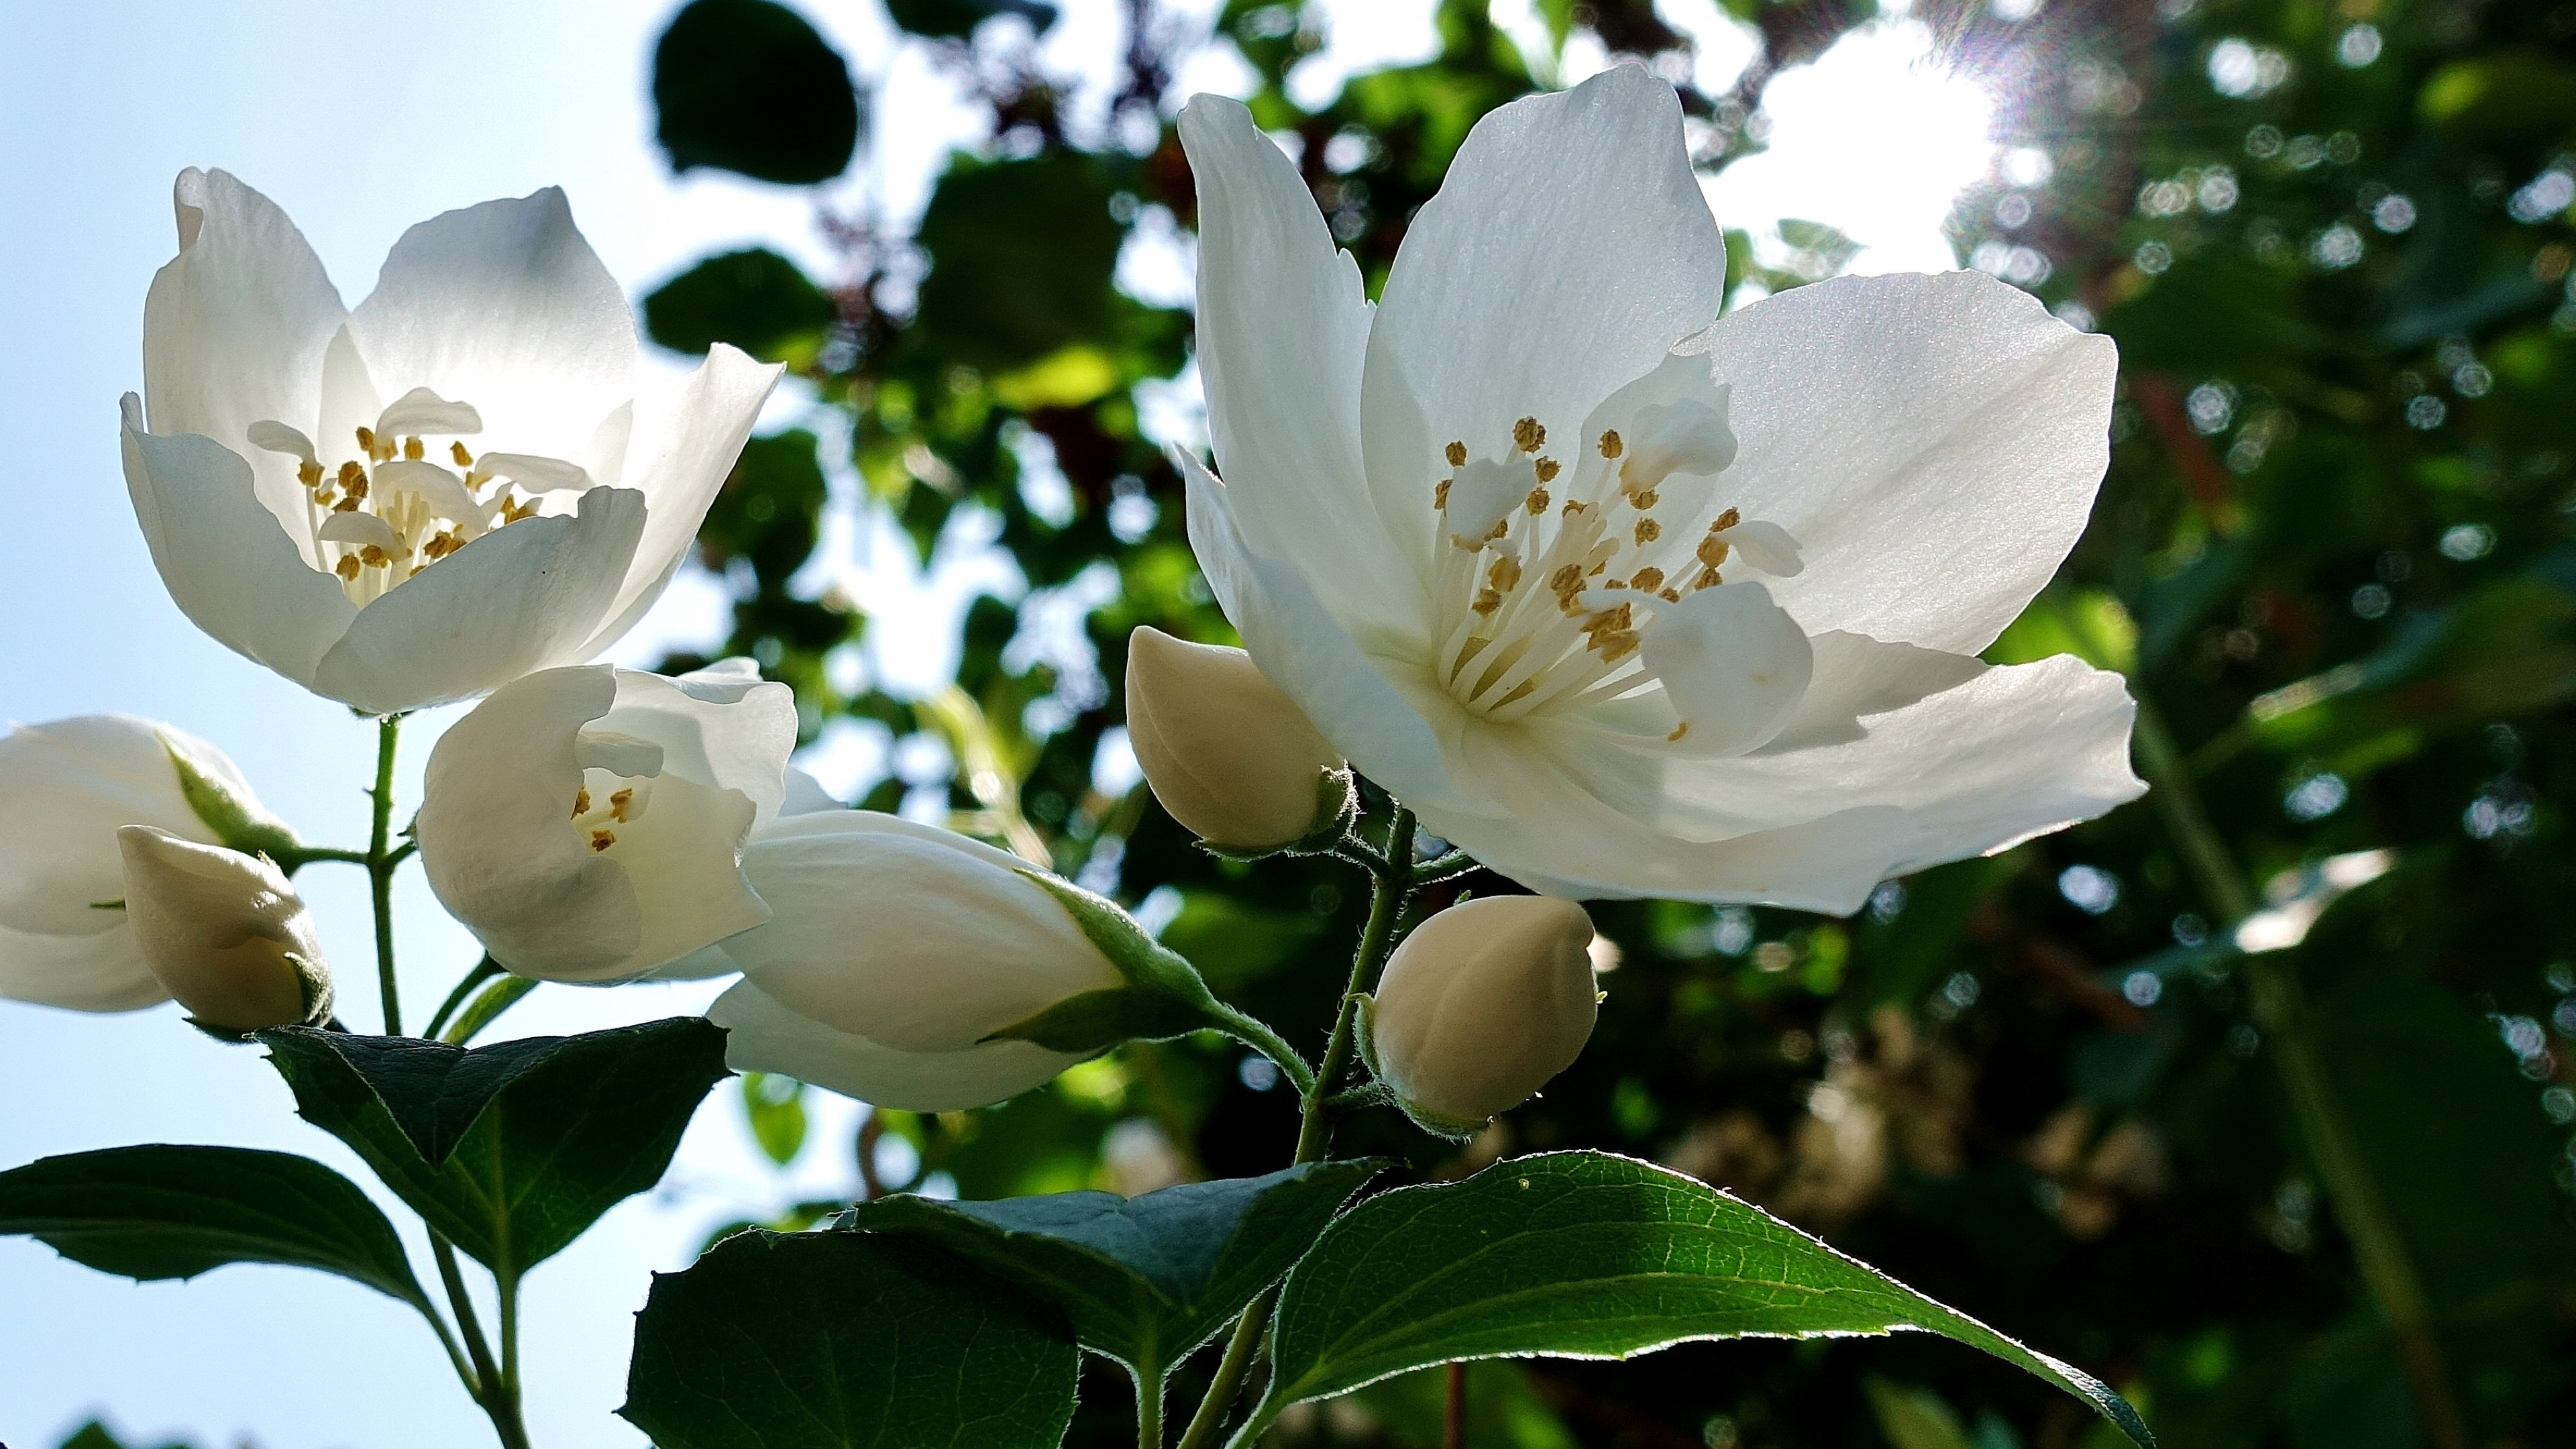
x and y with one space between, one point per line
1229 754
224 932
1481 1005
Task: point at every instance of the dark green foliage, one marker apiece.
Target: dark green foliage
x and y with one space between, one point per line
748 86
957 19
156 1212
510 1151
844 1341
1144 1280
1020 259
754 298
95 1435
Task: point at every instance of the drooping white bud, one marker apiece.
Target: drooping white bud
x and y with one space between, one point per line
224 932
1481 1005
1229 755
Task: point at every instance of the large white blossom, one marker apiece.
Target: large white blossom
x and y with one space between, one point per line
420 499
1623 597
587 823
66 788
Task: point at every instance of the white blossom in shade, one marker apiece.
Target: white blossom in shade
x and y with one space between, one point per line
66 787
223 932
1482 1005
896 951
588 823
418 500
1622 597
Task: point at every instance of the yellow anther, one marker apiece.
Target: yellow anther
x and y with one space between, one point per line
1708 579
374 557
354 478
441 545
1505 574
463 458
1537 501
1648 530
618 802
1528 435
1547 470
1609 621
580 803
1679 730
1713 551
1725 521
512 510
1501 526
602 839
1574 506
1611 447
346 505
309 473
1647 579
347 568
1670 596
1440 495
1615 647
413 450
1456 453
1488 601
1645 498
367 441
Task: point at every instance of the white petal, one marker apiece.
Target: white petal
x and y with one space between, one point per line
443 491
514 601
227 563
361 529
1355 701
505 306
696 441
103 971
806 795
732 732
1933 443
1283 324
1767 546
766 1036
66 787
537 475
684 861
421 411
1857 677
1566 253
234 329
1734 664
497 839
277 437
920 938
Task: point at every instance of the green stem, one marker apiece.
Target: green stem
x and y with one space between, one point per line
491 1385
2280 1007
1392 880
380 870
1255 1033
1149 1407
509 1289
484 970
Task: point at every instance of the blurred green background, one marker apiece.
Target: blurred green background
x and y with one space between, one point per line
2318 1196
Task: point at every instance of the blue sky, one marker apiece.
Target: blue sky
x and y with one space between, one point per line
361 118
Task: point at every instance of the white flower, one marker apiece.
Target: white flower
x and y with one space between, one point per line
431 495
587 823
897 950
66 788
1623 602
1229 756
224 932
1481 1006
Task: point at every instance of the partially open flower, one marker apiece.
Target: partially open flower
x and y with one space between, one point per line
897 957
66 787
1230 757
223 932
1481 1006
428 496
588 823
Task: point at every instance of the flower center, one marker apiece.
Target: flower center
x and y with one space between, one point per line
1549 577
607 801
381 517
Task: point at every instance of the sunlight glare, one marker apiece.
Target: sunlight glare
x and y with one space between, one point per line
1876 138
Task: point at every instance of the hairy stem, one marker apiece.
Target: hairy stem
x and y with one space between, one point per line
2280 1007
1392 881
491 1384
381 861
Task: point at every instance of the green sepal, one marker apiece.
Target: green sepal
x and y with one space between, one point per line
231 818
1337 809
1150 967
1095 1021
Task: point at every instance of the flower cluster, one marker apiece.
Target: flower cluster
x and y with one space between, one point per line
1616 595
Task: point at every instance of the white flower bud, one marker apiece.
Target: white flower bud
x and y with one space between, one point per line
1481 1005
65 787
223 931
895 955
1229 755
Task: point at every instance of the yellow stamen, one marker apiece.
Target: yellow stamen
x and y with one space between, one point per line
1505 574
618 802
347 568
309 473
1547 470
1647 579
463 458
1440 495
580 803
1537 501
374 557
367 441
1725 521
1679 730
1611 447
1646 498
602 839
1488 601
1456 453
413 450
1527 435
1708 579
1648 530
1713 551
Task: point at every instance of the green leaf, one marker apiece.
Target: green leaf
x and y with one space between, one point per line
1144 1280
1021 256
755 299
749 86
957 19
844 1341
155 1212
775 1108
510 1150
1583 1255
